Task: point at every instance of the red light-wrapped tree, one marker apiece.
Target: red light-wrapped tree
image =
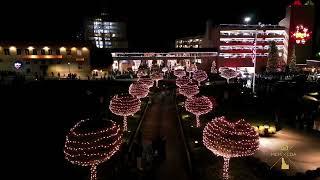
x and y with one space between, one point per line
141 73
124 105
90 143
198 106
147 81
157 77
190 69
228 139
228 74
189 90
179 73
138 90
199 76
182 81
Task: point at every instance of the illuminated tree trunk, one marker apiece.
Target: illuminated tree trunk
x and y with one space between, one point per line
199 83
93 172
228 80
225 172
197 121
190 75
156 83
125 126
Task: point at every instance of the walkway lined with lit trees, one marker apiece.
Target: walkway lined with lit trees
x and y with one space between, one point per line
161 120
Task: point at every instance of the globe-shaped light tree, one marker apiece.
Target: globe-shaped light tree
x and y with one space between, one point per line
182 81
179 73
190 69
228 74
90 143
138 90
157 77
141 73
189 90
199 76
228 139
198 105
124 105
147 81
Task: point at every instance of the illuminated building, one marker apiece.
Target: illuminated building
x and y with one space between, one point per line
236 44
189 42
125 60
105 32
45 59
298 16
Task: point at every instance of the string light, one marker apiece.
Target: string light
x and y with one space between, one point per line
179 73
199 76
147 81
138 90
182 81
124 105
141 73
157 77
188 90
198 106
228 74
301 35
228 139
91 148
190 69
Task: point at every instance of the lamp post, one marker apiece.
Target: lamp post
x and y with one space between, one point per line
69 67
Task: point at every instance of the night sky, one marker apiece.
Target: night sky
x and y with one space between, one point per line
150 23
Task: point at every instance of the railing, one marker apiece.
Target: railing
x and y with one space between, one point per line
182 136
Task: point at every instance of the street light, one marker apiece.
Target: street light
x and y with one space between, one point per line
247 20
69 67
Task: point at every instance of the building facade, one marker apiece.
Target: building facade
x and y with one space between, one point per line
45 59
299 25
105 32
189 42
236 44
132 60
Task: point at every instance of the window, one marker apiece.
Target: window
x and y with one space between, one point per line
69 52
34 52
58 52
27 62
26 52
50 52
6 52
43 52
79 52
43 62
18 51
35 62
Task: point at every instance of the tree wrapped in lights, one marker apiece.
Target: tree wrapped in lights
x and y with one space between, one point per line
199 76
198 106
157 77
188 90
138 90
141 73
182 81
213 67
190 69
228 74
293 60
124 105
229 140
179 73
90 143
147 81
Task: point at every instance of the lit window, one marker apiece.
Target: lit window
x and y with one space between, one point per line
79 52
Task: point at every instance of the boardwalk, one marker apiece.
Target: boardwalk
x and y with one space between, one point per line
161 120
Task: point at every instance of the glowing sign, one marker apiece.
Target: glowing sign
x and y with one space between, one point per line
17 65
301 35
